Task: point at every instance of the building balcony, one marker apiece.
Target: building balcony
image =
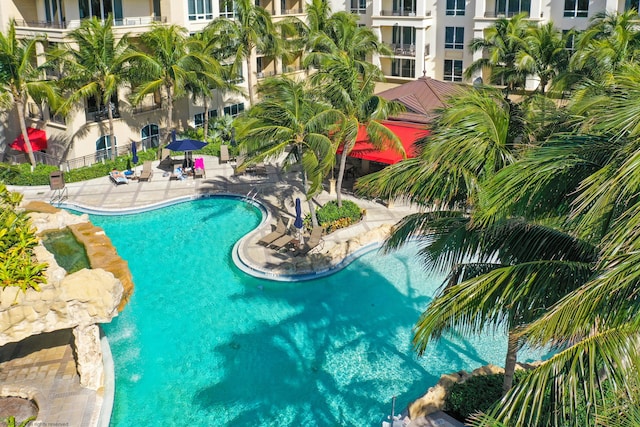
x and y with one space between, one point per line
397 12
57 31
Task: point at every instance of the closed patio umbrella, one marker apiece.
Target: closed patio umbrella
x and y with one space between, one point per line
134 153
298 223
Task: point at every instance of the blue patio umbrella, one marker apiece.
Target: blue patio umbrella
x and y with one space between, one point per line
186 145
134 153
298 222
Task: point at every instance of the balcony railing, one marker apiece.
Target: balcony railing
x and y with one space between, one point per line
404 49
75 23
402 13
146 108
504 14
291 11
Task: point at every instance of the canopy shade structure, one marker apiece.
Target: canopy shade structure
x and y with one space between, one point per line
407 133
37 137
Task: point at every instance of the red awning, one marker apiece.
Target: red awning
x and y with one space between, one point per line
37 137
407 133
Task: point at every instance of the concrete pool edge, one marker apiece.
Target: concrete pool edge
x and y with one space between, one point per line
240 261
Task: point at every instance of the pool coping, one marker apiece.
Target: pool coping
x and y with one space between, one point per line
236 254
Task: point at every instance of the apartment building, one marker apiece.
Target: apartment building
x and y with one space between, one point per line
427 38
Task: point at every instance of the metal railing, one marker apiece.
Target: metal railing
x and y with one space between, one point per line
88 160
75 23
504 14
291 11
398 12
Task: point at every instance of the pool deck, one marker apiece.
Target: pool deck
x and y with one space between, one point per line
46 366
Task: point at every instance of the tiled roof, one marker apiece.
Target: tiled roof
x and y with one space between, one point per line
421 97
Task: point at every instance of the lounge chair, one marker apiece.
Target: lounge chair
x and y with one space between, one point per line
178 174
224 154
198 168
147 171
280 230
117 177
315 240
281 242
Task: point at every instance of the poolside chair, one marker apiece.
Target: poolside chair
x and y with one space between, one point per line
147 171
281 242
117 177
279 231
314 241
224 154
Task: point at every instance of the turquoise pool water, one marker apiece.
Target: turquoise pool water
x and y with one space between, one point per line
203 344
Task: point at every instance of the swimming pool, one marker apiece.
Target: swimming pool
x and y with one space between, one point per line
201 343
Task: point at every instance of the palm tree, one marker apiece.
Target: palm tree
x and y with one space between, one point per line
502 42
20 79
347 80
213 78
167 61
291 115
478 134
95 66
592 180
251 28
545 54
473 139
507 274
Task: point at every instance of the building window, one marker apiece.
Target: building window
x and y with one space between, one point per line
403 68
233 110
200 9
455 7
359 6
103 148
631 4
198 119
227 9
571 40
150 136
101 9
454 38
404 40
576 8
511 8
452 70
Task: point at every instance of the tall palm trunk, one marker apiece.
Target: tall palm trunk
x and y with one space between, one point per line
23 128
206 117
250 75
112 134
312 207
347 147
169 112
510 362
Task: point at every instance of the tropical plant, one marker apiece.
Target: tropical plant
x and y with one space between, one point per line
17 239
478 134
20 79
167 61
11 421
502 42
290 115
350 89
94 64
250 28
544 53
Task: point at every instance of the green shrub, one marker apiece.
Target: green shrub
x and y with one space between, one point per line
331 218
18 266
476 394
